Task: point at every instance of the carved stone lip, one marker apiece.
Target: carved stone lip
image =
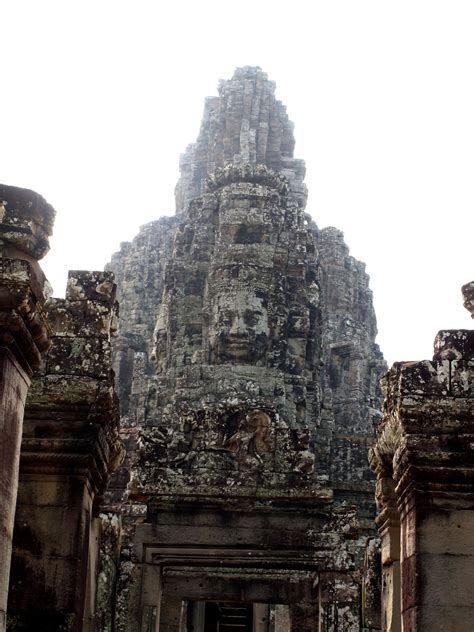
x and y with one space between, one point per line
238 340
239 344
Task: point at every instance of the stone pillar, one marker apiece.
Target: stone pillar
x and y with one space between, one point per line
150 597
172 614
303 617
280 619
261 617
13 388
371 586
196 616
25 224
426 436
70 447
389 529
339 601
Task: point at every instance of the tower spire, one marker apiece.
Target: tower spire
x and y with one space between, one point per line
245 123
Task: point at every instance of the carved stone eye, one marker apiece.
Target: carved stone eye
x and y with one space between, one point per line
225 318
252 317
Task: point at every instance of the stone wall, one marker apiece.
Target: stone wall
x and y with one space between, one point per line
69 448
424 465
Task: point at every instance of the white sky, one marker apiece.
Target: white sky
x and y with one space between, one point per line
100 97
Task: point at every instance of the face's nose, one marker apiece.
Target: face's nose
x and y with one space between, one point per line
237 326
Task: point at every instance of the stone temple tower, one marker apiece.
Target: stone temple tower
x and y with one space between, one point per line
248 376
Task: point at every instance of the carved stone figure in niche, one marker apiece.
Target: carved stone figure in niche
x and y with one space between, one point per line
239 330
160 339
305 456
251 440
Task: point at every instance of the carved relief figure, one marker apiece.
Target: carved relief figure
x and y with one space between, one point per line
251 440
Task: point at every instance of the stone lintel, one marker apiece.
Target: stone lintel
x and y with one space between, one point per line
241 498
240 584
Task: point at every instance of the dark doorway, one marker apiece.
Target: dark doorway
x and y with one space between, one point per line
228 617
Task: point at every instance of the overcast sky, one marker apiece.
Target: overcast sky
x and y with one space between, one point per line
100 97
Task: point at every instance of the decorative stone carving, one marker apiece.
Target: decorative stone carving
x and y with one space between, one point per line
258 390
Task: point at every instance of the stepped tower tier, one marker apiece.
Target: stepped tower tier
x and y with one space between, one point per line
244 124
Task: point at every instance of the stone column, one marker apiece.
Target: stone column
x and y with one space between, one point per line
339 601
427 434
388 523
371 586
151 592
280 619
197 616
172 614
13 388
434 470
261 617
25 224
70 447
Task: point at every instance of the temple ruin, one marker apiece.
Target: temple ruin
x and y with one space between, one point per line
239 473
248 377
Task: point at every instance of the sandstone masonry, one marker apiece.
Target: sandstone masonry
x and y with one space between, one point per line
249 376
423 459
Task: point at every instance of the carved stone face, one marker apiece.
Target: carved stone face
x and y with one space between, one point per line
239 330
